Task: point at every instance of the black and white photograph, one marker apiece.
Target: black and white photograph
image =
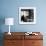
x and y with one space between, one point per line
27 15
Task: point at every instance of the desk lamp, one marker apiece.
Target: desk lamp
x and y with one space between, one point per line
9 21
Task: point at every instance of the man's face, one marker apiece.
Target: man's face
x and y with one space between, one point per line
26 13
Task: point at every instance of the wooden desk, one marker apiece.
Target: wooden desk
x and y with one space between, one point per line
20 39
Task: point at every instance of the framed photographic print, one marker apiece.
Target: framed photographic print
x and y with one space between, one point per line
27 15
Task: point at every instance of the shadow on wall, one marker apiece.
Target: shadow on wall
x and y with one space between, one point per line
2 21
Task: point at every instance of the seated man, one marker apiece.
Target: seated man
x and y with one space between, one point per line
26 17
